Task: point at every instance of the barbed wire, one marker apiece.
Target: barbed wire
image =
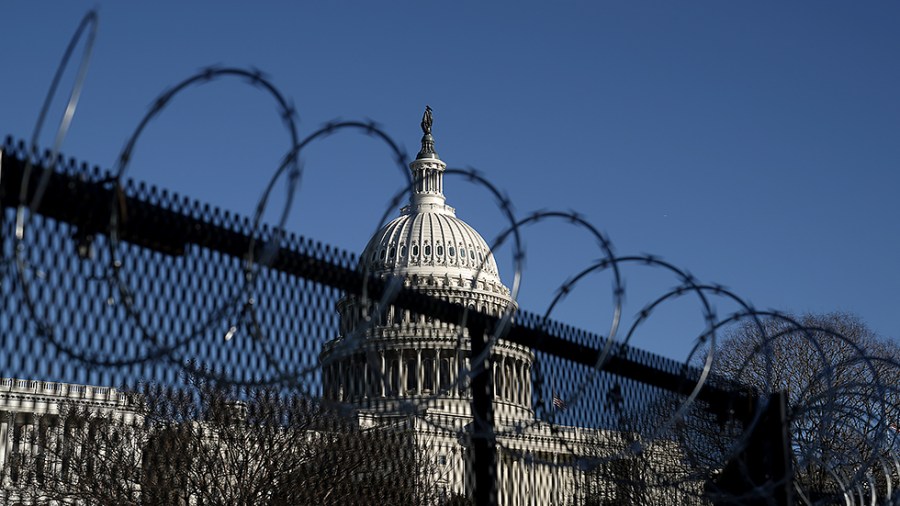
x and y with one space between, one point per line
179 307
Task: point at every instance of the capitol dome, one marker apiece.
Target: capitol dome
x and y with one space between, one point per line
386 354
430 241
427 242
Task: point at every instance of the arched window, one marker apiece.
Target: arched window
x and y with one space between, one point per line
440 250
428 250
451 251
415 250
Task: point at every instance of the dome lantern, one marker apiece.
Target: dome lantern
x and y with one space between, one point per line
428 171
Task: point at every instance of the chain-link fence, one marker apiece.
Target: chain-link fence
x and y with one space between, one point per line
155 349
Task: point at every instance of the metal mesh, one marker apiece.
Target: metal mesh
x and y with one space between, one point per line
184 356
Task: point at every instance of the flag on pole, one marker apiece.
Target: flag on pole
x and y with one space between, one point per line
558 403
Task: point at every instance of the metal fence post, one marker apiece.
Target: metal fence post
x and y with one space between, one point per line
761 473
484 442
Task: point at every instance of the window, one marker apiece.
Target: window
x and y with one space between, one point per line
451 251
403 250
462 252
428 373
411 376
381 256
428 250
440 250
393 252
394 382
445 374
415 250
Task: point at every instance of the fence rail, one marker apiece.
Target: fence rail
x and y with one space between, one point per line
117 284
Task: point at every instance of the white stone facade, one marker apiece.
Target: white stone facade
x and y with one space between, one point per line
33 411
388 362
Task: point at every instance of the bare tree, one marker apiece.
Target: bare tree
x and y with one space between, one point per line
843 394
841 381
88 457
212 445
641 462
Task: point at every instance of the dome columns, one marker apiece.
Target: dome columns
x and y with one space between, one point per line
428 182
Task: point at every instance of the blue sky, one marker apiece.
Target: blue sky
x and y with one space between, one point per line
754 144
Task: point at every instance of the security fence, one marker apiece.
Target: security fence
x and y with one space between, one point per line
155 349
175 303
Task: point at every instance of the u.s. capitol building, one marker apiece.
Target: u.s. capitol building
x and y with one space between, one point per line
396 369
395 366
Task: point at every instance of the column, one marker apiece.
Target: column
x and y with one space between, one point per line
454 374
514 381
514 482
419 372
366 387
503 497
467 364
455 378
339 384
11 449
35 442
6 431
523 481
384 375
516 389
504 381
56 440
23 436
554 479
497 379
528 386
436 371
401 388
520 384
